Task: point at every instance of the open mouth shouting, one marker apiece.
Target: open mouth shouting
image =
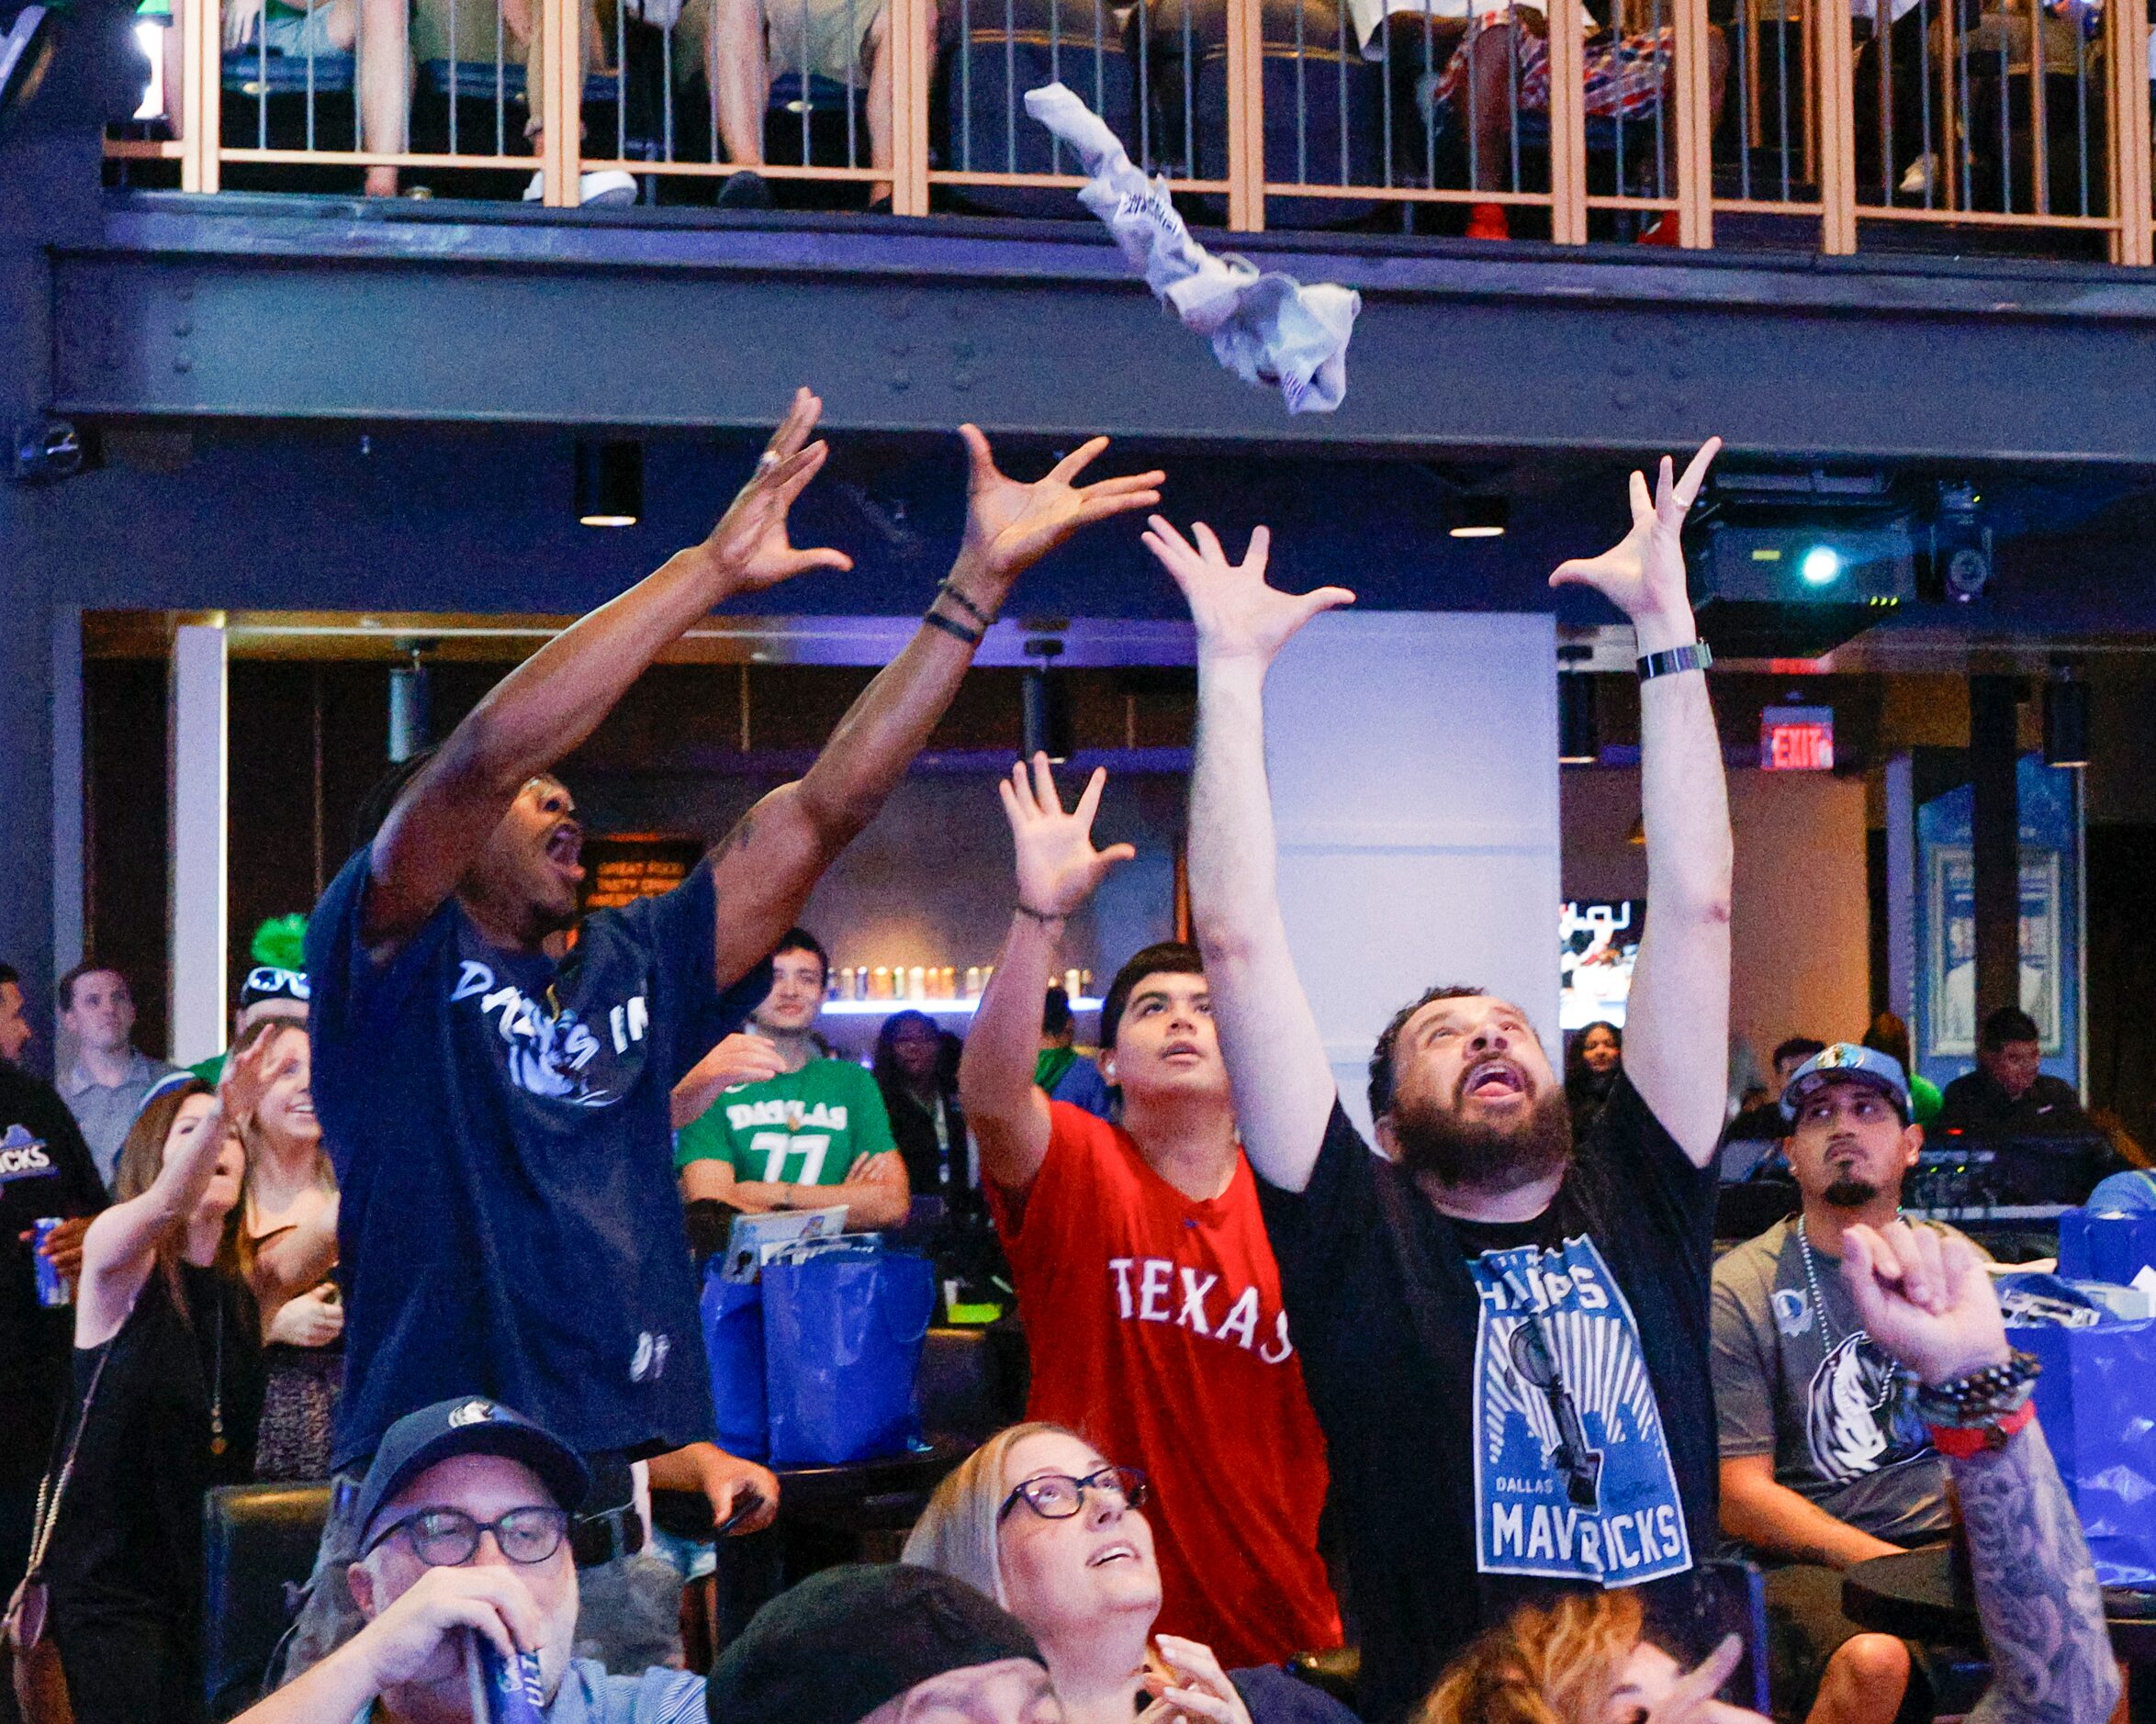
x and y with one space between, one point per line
1121 1551
565 849
1493 1079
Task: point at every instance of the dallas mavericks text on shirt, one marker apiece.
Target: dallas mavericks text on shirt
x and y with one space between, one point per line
1572 1472
545 1049
23 1157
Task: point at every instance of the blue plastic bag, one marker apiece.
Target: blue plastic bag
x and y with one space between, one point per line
733 1344
2099 1417
842 1339
2114 1248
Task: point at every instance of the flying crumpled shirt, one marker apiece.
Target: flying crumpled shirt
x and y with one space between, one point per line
1267 328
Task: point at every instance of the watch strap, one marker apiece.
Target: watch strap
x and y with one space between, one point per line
1671 660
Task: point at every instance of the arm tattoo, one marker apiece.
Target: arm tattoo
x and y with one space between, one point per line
2036 1590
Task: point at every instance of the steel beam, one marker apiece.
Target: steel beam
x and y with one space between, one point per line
231 307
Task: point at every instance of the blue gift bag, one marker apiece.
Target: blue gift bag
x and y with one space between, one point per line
842 1337
2095 1403
2094 1247
733 1343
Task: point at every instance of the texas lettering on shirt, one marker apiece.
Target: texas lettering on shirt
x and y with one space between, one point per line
1154 1290
1572 1473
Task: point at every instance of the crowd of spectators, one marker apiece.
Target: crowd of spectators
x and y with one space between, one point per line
1467 1387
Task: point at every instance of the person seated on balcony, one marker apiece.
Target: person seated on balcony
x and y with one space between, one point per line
606 185
1466 49
1493 79
742 44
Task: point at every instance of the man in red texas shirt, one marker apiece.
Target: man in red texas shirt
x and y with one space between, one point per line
1149 1295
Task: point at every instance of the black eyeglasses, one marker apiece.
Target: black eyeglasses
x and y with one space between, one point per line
448 1537
1058 1496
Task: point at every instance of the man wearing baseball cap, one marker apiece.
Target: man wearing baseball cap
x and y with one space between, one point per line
464 1518
884 1643
1824 1460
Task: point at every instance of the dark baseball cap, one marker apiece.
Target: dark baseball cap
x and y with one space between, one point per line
470 1424
844 1641
1846 1062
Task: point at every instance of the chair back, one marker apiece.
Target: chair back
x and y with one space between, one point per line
258 1548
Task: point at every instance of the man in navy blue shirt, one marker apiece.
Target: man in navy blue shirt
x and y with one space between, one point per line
497 1112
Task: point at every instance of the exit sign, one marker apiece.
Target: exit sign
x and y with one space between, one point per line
1796 739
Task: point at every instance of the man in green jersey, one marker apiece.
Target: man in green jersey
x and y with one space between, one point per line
813 1136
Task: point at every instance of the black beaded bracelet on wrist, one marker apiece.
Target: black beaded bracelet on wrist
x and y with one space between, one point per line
1982 1397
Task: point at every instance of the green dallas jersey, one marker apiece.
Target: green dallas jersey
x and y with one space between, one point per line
805 1128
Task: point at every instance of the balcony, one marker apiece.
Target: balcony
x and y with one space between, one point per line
2015 128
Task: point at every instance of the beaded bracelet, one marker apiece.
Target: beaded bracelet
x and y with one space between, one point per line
1982 1397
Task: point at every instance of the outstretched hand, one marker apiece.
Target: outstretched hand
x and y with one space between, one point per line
1011 526
1058 866
1924 1296
1237 616
1642 573
247 1076
751 538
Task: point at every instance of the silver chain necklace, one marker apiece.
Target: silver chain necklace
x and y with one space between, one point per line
1830 1337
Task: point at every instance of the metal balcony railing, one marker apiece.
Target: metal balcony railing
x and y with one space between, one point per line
1812 124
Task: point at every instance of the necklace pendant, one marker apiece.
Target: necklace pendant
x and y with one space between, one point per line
217 1445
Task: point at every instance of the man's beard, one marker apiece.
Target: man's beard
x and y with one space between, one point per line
1475 1155
1848 1193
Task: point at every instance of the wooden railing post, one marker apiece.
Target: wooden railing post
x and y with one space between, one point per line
202 86
1246 116
1695 126
1567 123
2128 29
1838 127
913 54
559 106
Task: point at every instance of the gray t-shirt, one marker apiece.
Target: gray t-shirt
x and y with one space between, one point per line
1836 1413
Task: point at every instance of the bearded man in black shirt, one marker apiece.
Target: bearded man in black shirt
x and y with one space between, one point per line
1504 1333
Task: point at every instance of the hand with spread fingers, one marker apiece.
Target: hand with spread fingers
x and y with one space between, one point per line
751 539
1058 866
1196 1688
1238 615
1924 1296
247 1077
1642 573
1010 526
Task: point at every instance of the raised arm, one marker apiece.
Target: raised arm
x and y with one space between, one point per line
1276 1064
1058 869
556 698
1924 1297
121 1243
766 867
1676 1027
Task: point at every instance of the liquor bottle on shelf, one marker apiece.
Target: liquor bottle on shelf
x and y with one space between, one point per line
972 981
880 982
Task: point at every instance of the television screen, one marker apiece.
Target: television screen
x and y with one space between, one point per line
1597 939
